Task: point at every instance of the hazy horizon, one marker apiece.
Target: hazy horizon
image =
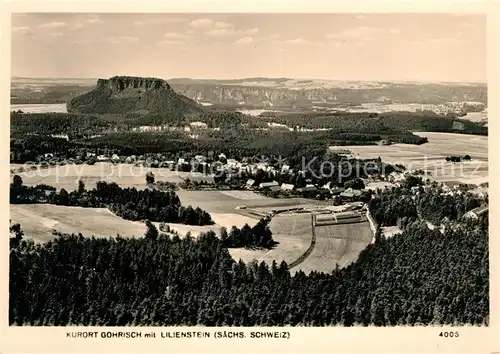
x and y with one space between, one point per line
338 47
245 78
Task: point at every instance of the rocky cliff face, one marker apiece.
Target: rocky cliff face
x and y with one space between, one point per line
223 93
120 83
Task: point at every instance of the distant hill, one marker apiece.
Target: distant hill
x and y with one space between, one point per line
139 95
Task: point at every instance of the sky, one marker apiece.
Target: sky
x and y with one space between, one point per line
422 47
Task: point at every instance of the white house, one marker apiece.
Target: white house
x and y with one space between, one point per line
201 125
200 158
287 187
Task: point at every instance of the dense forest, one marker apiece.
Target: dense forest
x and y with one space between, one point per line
128 203
74 125
419 277
390 125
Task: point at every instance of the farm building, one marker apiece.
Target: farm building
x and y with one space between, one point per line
268 185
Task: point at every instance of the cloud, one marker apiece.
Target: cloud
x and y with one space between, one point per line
53 25
158 20
168 42
176 36
246 40
221 24
202 23
77 26
363 33
437 41
94 21
231 32
297 41
25 30
57 34
275 36
221 32
252 31
121 39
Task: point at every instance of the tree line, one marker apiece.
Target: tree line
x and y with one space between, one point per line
128 203
432 204
259 236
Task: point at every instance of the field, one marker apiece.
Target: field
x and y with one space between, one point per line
40 108
431 156
67 176
336 244
38 221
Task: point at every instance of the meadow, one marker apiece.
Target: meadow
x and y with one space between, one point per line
431 156
38 221
126 175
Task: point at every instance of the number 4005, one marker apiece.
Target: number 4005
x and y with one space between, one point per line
449 334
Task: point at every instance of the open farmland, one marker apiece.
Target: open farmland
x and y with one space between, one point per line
431 156
336 244
67 176
38 221
292 231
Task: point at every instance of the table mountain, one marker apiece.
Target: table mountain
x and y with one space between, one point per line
126 94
